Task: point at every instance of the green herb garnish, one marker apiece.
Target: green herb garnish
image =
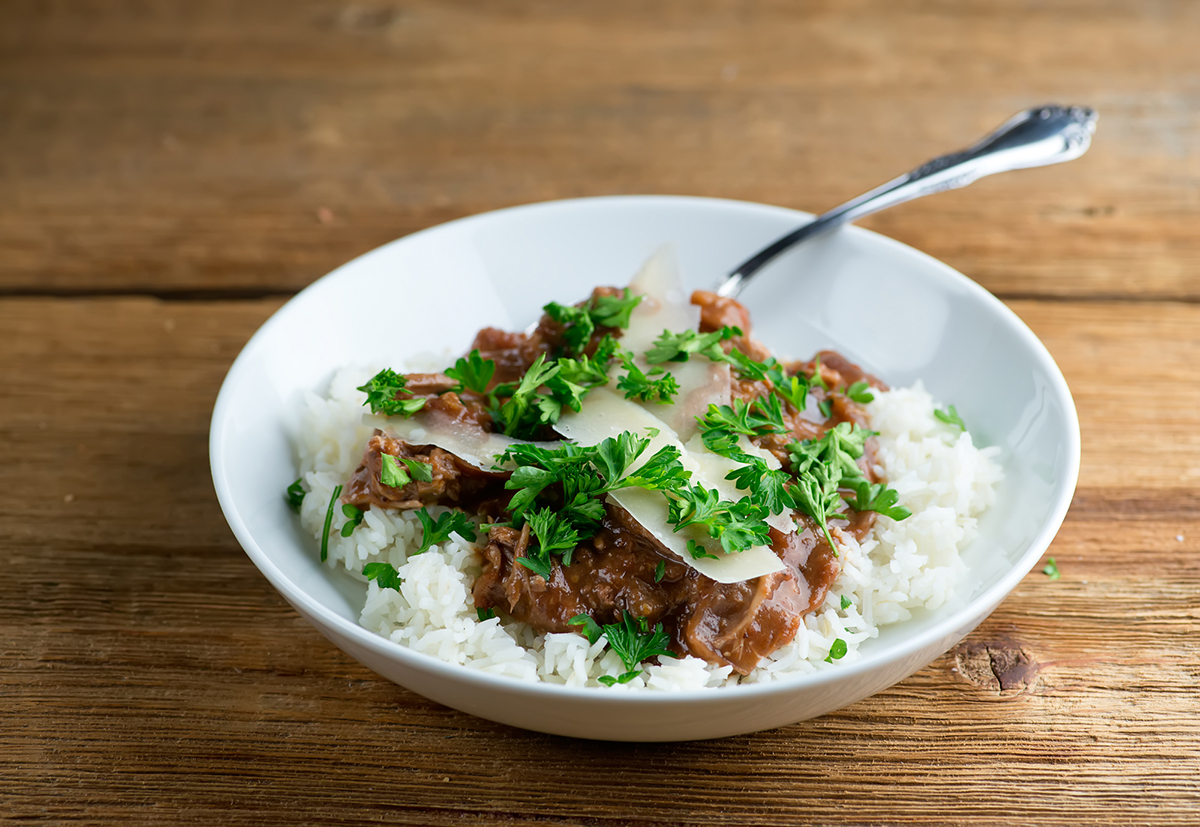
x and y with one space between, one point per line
328 522
421 471
295 496
837 650
660 571
1051 569
845 603
485 614
436 532
581 322
657 386
354 518
473 373
824 465
878 498
381 393
679 347
950 417
390 473
591 629
860 392
634 642
384 574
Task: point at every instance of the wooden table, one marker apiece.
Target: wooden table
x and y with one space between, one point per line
171 172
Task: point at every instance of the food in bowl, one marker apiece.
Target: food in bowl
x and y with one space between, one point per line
636 494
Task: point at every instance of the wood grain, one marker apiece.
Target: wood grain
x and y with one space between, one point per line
149 674
242 149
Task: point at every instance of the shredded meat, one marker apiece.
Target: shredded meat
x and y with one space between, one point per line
617 570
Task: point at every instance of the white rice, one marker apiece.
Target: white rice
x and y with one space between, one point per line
938 473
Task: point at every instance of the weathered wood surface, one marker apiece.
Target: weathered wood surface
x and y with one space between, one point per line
213 153
226 146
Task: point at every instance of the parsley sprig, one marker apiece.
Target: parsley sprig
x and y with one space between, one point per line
581 322
381 392
657 386
950 417
679 347
632 640
384 574
473 373
559 490
526 410
826 465
391 474
295 496
435 532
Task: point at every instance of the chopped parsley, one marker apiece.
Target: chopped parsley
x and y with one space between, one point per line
826 408
860 392
474 373
384 574
337 491
817 378
846 604
421 471
657 386
381 393
699 552
631 638
824 465
295 496
837 650
581 322
660 571
354 518
950 417
721 425
737 526
436 532
634 642
554 533
390 472
878 498
679 347
1051 569
591 629
525 410
559 490
485 614
792 388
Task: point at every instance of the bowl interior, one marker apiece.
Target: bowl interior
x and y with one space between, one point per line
899 313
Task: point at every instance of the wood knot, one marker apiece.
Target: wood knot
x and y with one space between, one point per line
999 665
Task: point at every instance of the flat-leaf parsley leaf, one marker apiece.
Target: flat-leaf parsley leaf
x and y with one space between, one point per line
950 417
438 531
384 574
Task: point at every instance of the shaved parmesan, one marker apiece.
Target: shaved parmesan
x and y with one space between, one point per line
467 443
606 414
666 305
715 467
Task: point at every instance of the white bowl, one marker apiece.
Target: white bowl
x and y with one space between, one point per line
897 312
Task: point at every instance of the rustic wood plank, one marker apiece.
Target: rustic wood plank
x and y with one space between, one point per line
221 146
149 674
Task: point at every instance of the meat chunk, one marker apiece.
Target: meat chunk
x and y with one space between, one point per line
735 624
454 483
